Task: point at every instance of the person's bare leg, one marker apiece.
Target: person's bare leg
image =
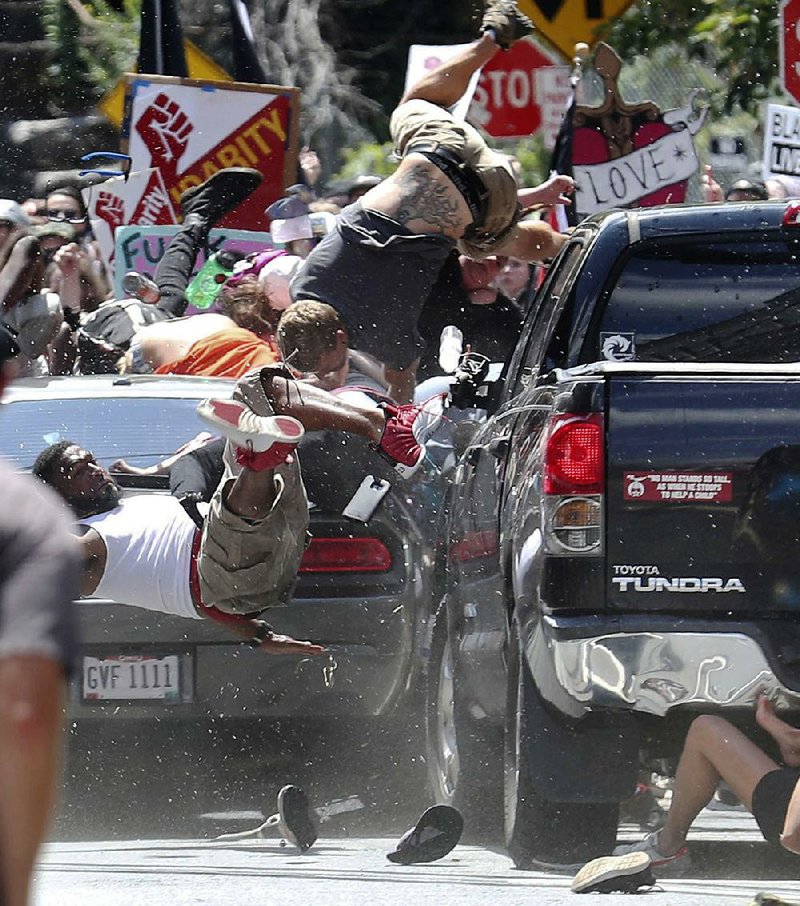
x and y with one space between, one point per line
31 703
317 409
714 749
251 494
448 82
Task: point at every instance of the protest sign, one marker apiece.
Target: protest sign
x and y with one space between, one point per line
141 199
782 141
140 248
424 57
626 154
189 129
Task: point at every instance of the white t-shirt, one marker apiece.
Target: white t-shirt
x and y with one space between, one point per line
148 540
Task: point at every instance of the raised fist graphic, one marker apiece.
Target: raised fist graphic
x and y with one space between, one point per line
111 209
165 128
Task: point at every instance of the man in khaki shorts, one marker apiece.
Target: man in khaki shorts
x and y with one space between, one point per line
145 550
378 265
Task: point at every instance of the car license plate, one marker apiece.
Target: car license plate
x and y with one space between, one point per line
132 677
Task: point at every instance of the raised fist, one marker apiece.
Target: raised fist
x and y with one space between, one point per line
111 209
165 129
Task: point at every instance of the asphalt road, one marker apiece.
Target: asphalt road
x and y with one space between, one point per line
142 806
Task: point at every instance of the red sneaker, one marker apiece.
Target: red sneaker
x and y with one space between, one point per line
261 441
406 430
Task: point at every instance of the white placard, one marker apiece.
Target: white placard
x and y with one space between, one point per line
424 57
781 141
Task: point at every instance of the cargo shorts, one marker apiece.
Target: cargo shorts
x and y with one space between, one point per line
247 566
419 121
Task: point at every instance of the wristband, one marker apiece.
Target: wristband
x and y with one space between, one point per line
262 633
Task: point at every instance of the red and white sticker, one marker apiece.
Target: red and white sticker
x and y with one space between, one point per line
679 487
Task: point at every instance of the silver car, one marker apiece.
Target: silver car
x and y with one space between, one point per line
363 589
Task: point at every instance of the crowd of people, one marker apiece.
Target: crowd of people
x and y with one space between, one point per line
356 293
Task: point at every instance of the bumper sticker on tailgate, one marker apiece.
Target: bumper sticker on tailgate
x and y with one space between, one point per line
678 487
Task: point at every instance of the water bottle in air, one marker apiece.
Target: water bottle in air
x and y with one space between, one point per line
137 286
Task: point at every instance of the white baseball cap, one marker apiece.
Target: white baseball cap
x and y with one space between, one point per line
13 213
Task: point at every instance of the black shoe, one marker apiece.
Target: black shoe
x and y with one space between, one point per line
431 838
506 21
220 193
297 820
608 874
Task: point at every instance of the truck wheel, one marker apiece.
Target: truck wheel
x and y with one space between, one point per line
464 755
540 832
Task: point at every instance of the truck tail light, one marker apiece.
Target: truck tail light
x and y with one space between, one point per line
346 555
573 482
574 458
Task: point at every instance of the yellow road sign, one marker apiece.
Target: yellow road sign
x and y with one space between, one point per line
199 65
566 23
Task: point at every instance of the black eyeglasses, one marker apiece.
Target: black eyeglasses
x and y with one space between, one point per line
65 216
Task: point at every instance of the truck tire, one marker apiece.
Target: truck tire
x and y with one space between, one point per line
541 833
465 758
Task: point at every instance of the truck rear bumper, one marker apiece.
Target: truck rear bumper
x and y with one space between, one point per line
651 671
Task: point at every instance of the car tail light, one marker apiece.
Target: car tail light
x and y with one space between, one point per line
346 555
574 460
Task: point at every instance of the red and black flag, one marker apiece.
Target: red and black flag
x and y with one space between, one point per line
161 40
564 216
246 65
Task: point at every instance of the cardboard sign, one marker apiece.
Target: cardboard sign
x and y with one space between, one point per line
142 199
678 487
782 141
140 248
424 57
189 129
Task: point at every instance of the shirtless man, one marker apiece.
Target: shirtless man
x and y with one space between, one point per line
378 265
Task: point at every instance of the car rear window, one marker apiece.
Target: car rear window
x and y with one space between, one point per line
141 430
703 301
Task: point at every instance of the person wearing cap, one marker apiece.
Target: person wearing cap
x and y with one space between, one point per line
290 224
378 265
38 582
12 218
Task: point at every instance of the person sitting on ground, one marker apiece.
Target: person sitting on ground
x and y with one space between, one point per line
379 263
714 750
146 551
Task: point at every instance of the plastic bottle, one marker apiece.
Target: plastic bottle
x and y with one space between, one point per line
205 286
137 286
451 345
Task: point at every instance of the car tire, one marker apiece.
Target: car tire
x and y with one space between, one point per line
464 755
541 833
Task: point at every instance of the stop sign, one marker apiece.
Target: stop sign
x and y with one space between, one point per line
789 47
509 99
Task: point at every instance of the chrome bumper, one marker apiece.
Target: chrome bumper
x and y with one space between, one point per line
654 672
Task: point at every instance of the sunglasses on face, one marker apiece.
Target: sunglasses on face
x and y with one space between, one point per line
72 216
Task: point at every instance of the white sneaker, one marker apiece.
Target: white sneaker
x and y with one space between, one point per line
240 425
680 860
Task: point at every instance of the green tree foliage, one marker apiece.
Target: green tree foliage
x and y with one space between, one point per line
95 42
738 39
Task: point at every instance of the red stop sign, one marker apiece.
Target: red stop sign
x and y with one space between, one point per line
505 102
789 47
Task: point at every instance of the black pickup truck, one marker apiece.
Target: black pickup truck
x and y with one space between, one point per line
622 547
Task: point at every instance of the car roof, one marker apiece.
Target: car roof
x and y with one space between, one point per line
112 385
723 217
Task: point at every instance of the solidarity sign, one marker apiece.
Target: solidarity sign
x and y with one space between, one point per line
187 129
